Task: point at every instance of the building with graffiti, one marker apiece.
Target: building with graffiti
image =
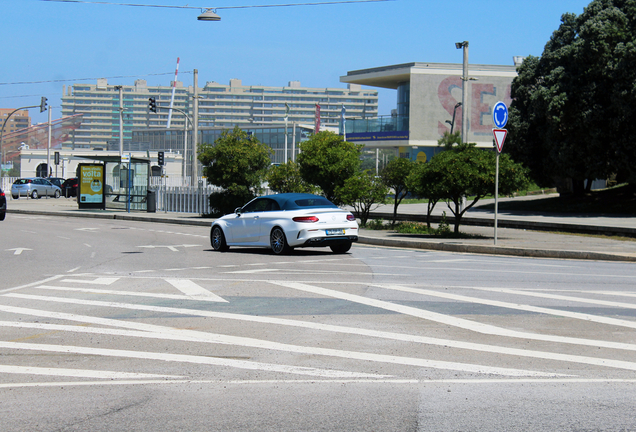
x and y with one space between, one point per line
428 104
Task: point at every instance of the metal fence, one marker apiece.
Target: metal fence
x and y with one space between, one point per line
5 184
184 199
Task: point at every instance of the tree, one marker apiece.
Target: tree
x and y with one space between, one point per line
237 162
362 191
394 175
466 171
573 108
448 140
286 178
327 161
426 181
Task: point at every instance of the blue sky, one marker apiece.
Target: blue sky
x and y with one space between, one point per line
51 41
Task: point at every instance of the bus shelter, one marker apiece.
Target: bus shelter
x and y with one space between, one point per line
115 183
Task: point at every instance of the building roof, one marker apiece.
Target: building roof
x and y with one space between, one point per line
393 75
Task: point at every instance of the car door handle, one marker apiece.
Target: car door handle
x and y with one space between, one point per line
256 217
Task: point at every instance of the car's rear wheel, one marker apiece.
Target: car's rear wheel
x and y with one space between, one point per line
15 196
217 240
34 194
341 248
278 242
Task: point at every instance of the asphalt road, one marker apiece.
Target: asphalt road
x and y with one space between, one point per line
121 325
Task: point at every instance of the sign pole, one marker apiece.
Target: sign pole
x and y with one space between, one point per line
500 118
496 195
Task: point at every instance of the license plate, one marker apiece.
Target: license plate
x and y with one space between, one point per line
335 232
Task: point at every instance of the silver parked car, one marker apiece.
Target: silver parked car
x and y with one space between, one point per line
34 187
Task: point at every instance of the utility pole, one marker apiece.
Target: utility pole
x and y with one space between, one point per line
48 148
121 121
464 46
195 130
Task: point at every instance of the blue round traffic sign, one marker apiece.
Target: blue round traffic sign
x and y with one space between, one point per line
500 115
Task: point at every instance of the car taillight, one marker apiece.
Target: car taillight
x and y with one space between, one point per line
1 193
351 217
307 219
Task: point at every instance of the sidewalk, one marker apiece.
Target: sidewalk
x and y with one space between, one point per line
510 241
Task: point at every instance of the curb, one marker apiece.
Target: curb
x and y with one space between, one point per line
507 223
496 250
116 216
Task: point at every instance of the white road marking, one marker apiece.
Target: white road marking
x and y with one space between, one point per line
192 289
86 229
255 271
73 270
256 343
617 364
51 279
173 248
515 306
18 251
422 267
79 373
595 302
97 281
449 320
209 297
313 382
605 293
184 358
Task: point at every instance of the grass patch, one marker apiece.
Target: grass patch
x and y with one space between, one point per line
619 200
442 231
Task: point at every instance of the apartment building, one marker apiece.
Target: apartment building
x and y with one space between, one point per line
220 105
19 120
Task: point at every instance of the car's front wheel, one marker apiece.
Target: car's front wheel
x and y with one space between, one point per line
341 248
15 196
34 194
278 242
57 193
217 240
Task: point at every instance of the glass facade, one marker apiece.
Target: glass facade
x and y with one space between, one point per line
173 140
378 124
403 99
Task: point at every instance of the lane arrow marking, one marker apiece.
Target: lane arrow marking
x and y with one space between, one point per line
18 251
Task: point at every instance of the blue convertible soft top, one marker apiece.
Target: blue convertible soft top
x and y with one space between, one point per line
297 201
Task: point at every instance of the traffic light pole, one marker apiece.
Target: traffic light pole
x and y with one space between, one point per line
185 138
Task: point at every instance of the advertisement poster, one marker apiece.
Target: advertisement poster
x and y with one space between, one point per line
91 184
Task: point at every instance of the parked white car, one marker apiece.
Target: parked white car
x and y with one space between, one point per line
34 187
282 222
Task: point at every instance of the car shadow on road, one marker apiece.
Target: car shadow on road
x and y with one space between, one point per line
262 251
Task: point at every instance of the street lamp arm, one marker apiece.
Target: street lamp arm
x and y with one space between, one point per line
176 109
3 125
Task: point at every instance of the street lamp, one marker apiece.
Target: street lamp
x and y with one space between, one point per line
464 46
208 15
452 123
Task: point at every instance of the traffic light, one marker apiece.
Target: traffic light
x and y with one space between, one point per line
43 104
152 104
57 158
160 159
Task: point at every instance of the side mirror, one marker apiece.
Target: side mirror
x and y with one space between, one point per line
237 211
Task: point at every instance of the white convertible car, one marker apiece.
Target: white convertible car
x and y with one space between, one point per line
282 222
